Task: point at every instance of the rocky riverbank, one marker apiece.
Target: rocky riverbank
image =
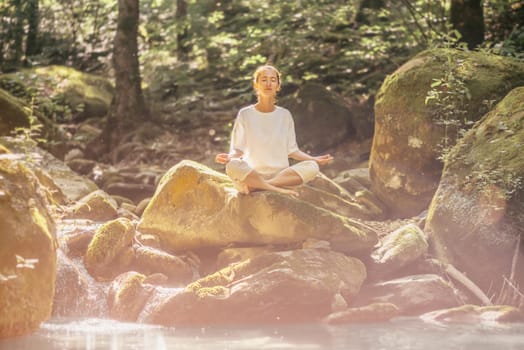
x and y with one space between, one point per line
161 236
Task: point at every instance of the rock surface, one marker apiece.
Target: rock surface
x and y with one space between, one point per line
27 249
475 218
196 207
404 165
291 286
110 251
318 112
398 249
413 295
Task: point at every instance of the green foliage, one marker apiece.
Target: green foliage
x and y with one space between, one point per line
494 182
38 97
29 136
348 46
448 98
337 43
77 32
446 101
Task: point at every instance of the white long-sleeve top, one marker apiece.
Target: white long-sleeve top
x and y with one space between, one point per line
265 139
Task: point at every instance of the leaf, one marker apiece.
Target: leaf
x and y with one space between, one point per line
6 278
22 263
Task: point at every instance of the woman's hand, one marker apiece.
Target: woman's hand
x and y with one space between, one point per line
222 158
323 159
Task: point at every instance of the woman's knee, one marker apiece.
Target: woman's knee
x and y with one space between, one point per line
237 169
307 170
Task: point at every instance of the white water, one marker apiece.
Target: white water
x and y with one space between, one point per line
401 334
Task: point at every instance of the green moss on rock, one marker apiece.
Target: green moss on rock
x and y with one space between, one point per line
27 251
109 241
404 165
86 95
12 114
476 214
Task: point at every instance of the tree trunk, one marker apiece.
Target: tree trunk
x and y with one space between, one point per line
182 34
18 31
361 16
467 17
33 19
128 107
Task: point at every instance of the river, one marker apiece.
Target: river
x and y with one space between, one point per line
400 334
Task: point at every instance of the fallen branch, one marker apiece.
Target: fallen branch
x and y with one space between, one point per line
515 259
510 293
464 280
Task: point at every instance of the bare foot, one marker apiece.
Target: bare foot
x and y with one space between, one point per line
241 187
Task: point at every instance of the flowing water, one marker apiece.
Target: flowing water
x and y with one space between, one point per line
400 334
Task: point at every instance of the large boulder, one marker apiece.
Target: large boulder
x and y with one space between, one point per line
404 165
291 286
128 295
475 218
319 112
197 207
80 95
326 193
398 249
110 252
64 184
27 249
413 295
179 270
96 206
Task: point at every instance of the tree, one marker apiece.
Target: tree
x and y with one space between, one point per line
128 107
182 34
467 17
18 30
33 19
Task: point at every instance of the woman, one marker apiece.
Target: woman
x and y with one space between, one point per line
263 140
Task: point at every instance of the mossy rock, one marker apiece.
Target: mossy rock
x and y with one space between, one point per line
27 250
64 185
58 87
150 260
322 118
397 250
404 165
97 206
196 207
127 296
475 218
290 286
413 295
105 256
12 114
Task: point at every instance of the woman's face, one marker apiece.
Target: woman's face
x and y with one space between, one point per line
267 83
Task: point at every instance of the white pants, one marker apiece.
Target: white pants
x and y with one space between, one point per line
238 170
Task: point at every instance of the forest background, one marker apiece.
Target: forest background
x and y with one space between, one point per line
185 50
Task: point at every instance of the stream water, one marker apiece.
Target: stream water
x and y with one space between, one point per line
400 334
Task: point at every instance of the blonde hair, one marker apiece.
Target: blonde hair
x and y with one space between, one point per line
259 70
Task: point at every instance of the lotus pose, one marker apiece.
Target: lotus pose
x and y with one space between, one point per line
262 141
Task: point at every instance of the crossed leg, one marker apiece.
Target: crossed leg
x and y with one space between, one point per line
252 180
287 177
